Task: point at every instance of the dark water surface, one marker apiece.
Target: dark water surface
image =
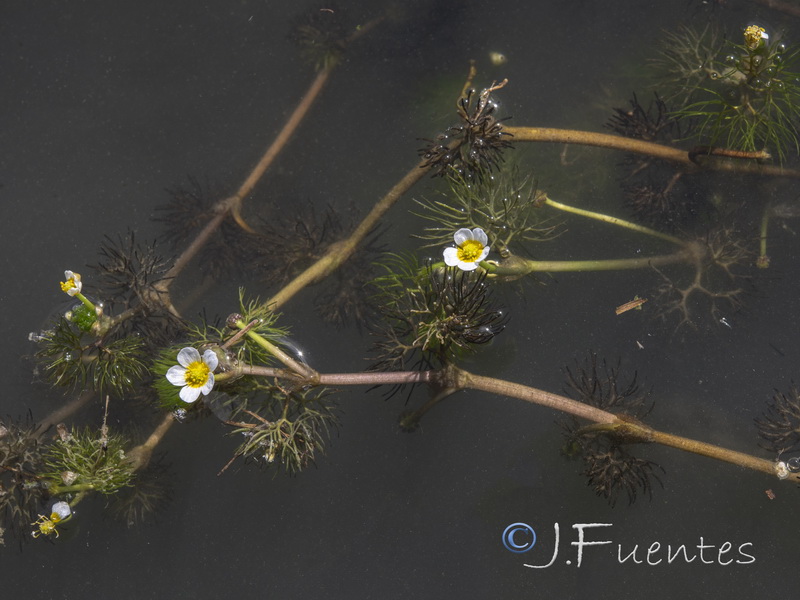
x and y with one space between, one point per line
105 104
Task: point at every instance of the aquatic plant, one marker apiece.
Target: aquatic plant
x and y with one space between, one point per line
473 147
427 315
20 461
609 465
431 315
505 206
750 98
84 460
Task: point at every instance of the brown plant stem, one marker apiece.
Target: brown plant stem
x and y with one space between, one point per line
500 387
451 379
60 414
616 142
785 7
140 456
368 378
339 252
283 137
712 451
377 378
410 420
627 428
233 204
162 287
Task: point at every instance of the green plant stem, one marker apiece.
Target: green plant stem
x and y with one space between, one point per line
297 367
613 221
520 266
55 490
86 302
763 257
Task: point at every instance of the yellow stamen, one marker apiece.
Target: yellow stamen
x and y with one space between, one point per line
45 526
469 251
753 36
67 285
196 374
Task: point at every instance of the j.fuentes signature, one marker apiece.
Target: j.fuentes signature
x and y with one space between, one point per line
521 537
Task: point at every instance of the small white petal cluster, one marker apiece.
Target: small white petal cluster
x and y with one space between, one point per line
472 246
193 373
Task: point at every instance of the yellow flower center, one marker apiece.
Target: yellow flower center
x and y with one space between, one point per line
197 374
469 251
753 36
68 284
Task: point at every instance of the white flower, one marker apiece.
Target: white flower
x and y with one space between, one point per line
472 248
73 284
60 512
195 374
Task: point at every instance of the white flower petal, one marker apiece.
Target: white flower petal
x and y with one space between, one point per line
176 375
73 280
451 257
62 509
465 266
210 358
480 235
484 254
187 356
462 235
189 394
209 385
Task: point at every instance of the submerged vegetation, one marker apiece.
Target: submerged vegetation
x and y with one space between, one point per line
745 95
485 222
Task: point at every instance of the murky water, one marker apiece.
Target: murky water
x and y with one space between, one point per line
105 106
